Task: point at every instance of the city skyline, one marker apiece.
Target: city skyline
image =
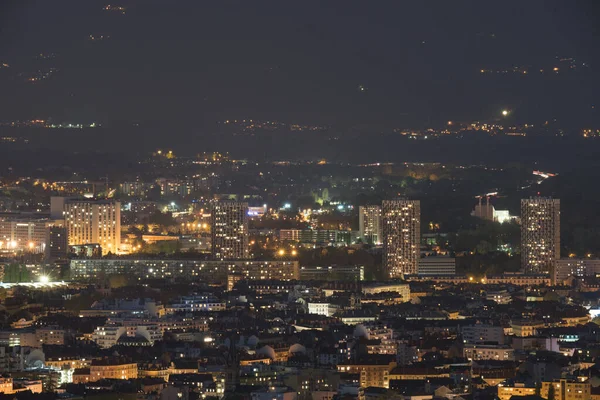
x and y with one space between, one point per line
390 200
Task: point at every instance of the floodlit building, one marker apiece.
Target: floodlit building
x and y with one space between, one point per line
326 309
20 233
106 368
373 372
540 234
487 211
229 228
91 221
401 236
369 220
565 389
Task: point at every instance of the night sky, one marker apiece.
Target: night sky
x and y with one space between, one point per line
189 63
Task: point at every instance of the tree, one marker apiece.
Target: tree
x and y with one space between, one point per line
16 273
551 392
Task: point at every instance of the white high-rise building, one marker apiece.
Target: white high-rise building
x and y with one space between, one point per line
229 229
92 221
369 220
401 236
540 234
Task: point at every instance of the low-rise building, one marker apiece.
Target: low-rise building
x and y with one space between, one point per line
111 368
327 309
10 386
565 389
482 333
498 296
373 372
375 288
526 327
199 302
507 390
437 266
488 352
129 333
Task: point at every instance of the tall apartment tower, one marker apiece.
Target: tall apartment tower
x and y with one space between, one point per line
369 220
229 229
401 236
57 243
540 234
91 221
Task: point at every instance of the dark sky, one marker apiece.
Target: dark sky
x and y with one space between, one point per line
192 62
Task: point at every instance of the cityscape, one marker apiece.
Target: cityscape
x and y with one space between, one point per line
269 201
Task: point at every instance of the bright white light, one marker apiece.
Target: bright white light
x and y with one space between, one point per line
44 279
505 112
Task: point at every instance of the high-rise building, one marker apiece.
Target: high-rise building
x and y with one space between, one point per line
92 221
401 236
57 242
540 234
229 229
369 220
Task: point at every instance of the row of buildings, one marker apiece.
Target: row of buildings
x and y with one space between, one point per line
396 225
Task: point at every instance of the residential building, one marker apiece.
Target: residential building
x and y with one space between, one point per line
57 242
50 335
575 267
201 302
540 234
517 389
526 328
209 271
401 237
498 296
229 229
481 333
565 389
373 371
369 223
488 352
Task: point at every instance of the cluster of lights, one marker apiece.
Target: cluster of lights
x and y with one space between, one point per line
282 252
